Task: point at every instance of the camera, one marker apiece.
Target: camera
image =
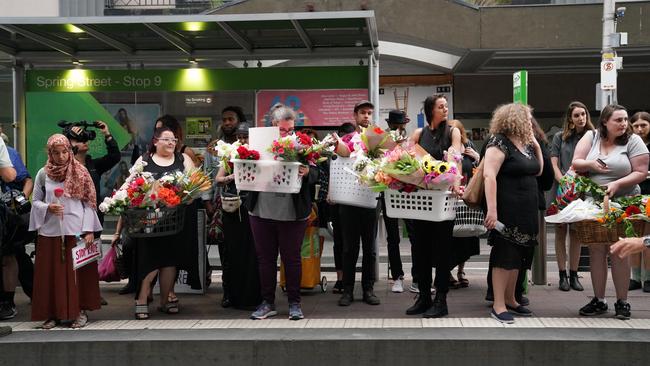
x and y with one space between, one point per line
620 12
82 136
16 201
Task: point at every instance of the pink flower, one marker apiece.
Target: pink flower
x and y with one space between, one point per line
58 192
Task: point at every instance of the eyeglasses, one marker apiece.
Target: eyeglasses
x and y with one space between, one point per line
167 140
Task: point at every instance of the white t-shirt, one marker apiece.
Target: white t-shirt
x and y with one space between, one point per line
5 161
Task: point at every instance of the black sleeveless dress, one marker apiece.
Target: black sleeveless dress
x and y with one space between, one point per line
165 251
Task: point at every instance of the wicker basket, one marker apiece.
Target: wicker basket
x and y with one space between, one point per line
592 232
142 223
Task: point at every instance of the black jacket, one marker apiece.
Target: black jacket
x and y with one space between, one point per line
301 200
99 166
544 181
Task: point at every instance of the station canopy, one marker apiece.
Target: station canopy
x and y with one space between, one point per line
173 41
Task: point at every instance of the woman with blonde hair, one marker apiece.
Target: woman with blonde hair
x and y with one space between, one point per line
513 160
576 122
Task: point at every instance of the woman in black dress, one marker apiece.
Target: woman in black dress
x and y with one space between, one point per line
159 256
434 238
513 160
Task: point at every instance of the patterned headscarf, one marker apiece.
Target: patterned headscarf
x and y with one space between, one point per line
77 182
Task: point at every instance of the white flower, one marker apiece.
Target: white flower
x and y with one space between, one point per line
120 195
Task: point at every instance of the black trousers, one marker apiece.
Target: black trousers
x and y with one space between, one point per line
393 240
358 224
337 236
433 248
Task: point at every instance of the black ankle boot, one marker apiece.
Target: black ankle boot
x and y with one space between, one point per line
575 283
439 307
421 305
564 281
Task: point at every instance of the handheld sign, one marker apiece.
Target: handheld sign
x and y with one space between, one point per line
82 255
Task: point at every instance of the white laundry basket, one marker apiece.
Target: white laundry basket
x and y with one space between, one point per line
267 176
345 188
420 205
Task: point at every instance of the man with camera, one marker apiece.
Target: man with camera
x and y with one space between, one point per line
79 137
16 263
7 174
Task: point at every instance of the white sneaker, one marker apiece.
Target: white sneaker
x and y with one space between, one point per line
398 285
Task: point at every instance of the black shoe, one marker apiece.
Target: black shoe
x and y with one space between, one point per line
595 307
7 311
439 307
338 287
574 282
634 285
489 296
103 301
370 298
421 305
225 302
646 286
523 300
564 281
127 289
346 299
519 310
622 309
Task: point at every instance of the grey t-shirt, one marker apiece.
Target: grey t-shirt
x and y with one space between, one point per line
275 206
563 150
618 161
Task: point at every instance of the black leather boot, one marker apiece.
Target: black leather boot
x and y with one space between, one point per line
564 281
421 305
347 298
439 307
573 280
370 298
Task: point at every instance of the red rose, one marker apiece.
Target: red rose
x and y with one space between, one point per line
58 192
632 210
304 139
139 181
378 130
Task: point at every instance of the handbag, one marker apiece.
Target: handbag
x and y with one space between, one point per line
107 269
230 203
474 194
468 222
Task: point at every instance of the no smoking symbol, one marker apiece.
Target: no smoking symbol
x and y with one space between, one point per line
608 66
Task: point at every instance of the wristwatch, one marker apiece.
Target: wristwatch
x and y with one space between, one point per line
646 241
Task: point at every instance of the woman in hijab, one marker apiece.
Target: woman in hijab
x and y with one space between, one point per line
63 207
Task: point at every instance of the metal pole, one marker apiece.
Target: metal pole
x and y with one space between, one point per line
18 91
539 261
608 51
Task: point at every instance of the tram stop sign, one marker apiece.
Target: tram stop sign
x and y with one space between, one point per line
608 75
520 87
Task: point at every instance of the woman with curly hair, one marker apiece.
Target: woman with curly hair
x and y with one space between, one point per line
513 160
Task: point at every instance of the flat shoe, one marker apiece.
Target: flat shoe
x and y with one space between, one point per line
519 310
504 317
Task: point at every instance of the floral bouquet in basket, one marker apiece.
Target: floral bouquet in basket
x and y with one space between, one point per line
373 141
134 193
300 148
226 152
626 210
182 188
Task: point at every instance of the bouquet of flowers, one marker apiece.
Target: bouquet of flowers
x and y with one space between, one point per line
226 152
301 148
625 210
372 141
141 190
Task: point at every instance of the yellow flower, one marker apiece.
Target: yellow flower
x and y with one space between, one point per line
428 163
442 168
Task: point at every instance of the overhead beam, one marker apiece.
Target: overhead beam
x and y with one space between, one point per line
113 42
371 25
175 39
303 35
7 48
239 39
44 40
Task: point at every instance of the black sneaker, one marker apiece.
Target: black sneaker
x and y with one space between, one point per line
346 299
7 311
622 309
646 286
370 298
634 285
338 287
595 307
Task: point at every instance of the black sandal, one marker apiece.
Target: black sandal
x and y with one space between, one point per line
169 308
141 311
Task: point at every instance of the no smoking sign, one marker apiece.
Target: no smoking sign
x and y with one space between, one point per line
608 75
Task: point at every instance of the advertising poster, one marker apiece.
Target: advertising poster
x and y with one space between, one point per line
198 127
138 120
328 108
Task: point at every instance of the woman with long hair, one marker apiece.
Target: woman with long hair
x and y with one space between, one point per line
576 122
60 292
616 158
641 277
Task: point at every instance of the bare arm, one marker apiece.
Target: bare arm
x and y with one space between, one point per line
415 137
222 177
580 162
494 158
28 187
8 174
188 163
191 154
457 145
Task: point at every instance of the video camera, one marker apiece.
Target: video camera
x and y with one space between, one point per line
84 135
